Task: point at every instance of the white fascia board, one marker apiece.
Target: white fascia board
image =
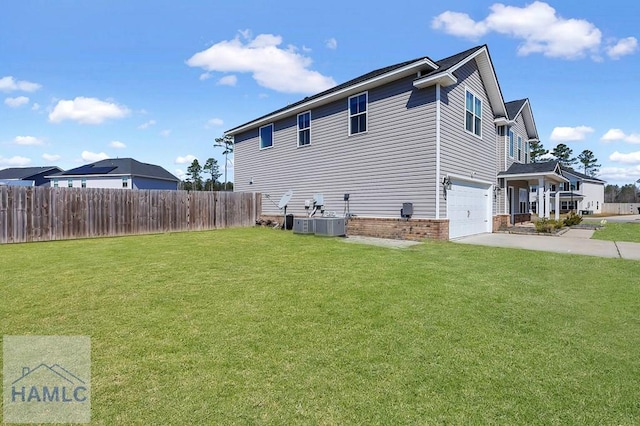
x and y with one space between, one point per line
332 96
444 79
503 121
468 179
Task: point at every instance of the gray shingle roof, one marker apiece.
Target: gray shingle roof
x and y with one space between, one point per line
518 169
578 174
514 107
122 166
25 172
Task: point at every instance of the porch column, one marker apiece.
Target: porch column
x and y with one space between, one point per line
556 216
540 203
547 203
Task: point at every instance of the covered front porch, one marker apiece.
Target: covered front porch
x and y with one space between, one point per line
531 188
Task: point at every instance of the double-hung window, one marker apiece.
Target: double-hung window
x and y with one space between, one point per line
70 183
510 143
266 136
473 115
526 152
358 114
304 128
519 148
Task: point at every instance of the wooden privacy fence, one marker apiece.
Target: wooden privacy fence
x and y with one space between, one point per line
620 208
44 214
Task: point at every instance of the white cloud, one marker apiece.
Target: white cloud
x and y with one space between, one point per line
564 134
332 44
147 124
93 156
205 76
35 106
50 157
623 47
620 174
117 145
27 140
187 159
228 80
9 84
165 133
180 174
15 161
540 28
282 70
618 135
214 122
16 102
630 158
87 111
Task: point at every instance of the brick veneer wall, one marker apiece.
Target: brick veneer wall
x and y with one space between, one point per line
399 229
500 221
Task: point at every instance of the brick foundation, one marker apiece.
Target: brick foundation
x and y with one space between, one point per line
500 222
398 229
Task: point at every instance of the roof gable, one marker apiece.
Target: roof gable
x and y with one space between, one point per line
522 107
569 170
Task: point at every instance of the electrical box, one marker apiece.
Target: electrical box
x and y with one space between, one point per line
407 210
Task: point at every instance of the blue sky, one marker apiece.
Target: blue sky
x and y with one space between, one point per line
160 80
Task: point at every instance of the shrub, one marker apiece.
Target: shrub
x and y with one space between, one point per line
572 219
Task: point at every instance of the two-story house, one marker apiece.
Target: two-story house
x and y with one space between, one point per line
435 134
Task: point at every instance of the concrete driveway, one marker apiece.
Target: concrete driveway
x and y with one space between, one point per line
574 241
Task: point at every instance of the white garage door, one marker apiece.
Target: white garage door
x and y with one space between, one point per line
468 208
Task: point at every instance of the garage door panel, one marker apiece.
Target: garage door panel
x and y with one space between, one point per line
468 208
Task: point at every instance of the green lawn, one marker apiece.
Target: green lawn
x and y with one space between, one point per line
619 232
250 326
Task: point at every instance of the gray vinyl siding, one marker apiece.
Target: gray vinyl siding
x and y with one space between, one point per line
393 162
518 129
463 153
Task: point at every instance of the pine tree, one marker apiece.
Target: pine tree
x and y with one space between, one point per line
589 162
537 151
564 155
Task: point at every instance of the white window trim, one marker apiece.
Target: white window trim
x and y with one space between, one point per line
519 147
366 114
511 148
273 131
464 110
298 128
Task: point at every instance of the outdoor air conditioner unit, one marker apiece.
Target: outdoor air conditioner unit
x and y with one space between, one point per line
303 225
330 226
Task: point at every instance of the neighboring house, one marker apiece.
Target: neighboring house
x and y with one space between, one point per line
27 176
583 194
116 173
436 134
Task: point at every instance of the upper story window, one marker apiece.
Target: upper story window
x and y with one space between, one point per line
502 130
83 183
510 143
473 116
70 183
358 114
266 136
526 152
125 182
304 128
55 183
519 148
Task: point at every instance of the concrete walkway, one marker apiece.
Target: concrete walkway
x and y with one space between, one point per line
574 241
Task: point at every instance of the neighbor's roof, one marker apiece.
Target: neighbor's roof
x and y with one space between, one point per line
431 70
25 172
120 167
580 175
514 107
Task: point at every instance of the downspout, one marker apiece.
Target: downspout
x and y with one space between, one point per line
438 151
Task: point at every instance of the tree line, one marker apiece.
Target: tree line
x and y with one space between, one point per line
588 161
205 177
